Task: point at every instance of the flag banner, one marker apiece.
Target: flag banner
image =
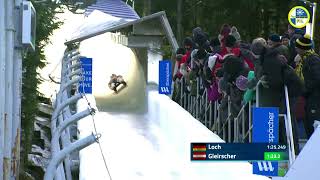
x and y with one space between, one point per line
239 152
165 77
85 85
266 130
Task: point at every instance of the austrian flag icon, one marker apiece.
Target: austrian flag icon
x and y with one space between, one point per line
199 155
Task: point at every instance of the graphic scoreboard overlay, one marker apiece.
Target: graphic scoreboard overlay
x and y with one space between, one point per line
238 152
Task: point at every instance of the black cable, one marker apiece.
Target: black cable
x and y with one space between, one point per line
94 126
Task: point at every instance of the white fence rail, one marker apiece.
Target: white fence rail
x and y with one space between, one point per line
234 128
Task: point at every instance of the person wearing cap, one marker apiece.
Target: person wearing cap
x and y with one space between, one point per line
234 32
285 39
274 42
178 75
294 34
215 46
179 60
188 46
232 48
308 69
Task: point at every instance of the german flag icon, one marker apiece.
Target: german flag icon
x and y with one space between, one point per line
199 152
199 148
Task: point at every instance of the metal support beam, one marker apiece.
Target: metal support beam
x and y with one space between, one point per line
142 41
78 145
66 123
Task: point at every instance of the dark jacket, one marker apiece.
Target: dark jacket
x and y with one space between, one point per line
292 48
232 68
278 73
311 73
283 50
270 66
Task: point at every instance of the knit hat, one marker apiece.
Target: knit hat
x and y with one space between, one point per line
230 41
304 42
214 42
274 38
188 42
285 36
180 51
234 32
258 46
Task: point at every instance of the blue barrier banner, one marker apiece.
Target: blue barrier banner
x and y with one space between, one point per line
165 77
85 85
265 130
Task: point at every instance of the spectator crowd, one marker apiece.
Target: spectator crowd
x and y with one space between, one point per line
226 67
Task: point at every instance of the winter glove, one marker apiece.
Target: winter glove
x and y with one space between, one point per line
220 73
264 82
175 77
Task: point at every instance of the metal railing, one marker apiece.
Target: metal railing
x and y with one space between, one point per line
59 167
235 127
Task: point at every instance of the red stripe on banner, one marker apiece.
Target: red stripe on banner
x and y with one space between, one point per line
198 153
199 158
202 146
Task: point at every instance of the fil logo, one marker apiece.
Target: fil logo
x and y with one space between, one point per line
265 166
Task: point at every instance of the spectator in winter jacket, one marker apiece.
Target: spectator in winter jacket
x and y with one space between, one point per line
200 38
273 74
234 32
233 67
233 48
309 69
274 42
224 32
180 60
294 34
285 39
215 46
188 46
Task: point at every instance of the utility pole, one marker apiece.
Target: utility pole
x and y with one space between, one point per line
10 91
8 114
2 81
17 93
